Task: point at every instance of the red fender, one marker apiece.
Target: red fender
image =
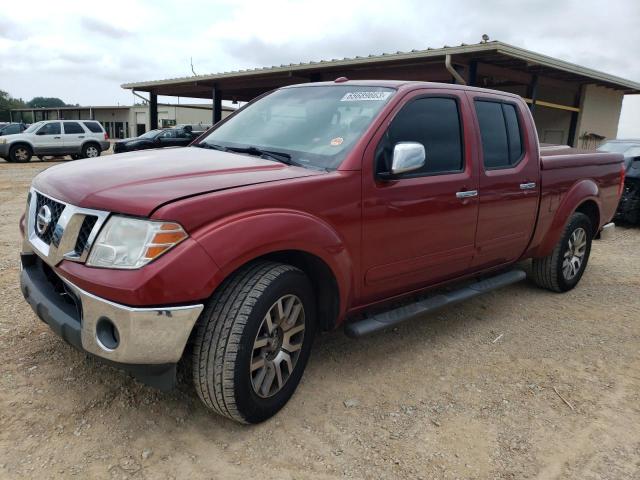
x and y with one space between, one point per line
234 241
579 193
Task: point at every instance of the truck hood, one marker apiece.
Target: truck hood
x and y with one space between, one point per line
137 183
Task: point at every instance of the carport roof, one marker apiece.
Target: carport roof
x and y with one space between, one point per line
494 52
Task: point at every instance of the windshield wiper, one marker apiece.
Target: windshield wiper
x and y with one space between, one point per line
251 150
211 146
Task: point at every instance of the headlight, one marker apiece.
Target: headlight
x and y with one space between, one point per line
130 243
3 141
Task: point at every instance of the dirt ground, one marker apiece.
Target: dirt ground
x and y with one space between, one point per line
467 393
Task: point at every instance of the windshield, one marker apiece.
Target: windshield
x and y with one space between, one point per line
616 147
151 134
33 127
315 125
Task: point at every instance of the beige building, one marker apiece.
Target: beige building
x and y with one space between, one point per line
124 121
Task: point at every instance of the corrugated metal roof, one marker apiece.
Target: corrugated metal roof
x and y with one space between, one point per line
505 49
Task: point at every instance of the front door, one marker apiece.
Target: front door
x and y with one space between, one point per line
49 139
419 228
509 183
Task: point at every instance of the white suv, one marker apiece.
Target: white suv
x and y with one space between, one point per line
78 138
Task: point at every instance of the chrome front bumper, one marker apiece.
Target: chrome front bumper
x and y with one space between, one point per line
145 335
118 333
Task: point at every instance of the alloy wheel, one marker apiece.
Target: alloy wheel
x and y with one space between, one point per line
574 255
277 346
92 152
22 154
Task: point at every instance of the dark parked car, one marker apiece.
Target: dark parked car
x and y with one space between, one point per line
168 137
629 206
12 128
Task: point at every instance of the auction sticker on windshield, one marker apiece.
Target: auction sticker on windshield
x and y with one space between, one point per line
367 96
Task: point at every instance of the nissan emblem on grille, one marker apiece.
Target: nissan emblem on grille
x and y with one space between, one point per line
43 219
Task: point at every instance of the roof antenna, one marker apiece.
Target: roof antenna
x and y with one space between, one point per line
485 38
194 72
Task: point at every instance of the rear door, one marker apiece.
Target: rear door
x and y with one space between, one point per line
509 183
48 139
419 228
73 137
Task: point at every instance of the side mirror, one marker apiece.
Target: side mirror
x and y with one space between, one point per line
407 157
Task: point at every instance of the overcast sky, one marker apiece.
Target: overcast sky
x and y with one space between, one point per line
83 51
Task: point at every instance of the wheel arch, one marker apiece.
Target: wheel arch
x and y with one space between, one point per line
26 143
583 197
322 278
88 142
292 238
591 209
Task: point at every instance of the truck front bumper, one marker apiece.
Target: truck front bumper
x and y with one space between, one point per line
146 341
4 150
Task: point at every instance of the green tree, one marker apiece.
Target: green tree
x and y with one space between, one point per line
45 102
7 102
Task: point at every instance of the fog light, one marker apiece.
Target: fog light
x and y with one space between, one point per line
107 334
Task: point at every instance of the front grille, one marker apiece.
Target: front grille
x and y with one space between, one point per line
56 210
85 230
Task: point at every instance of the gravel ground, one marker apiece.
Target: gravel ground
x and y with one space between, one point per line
472 392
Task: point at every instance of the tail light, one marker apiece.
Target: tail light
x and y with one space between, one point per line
106 136
621 184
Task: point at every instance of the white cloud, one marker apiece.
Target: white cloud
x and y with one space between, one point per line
83 54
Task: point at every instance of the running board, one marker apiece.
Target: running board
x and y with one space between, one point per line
390 318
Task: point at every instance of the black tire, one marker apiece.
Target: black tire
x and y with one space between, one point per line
548 272
90 150
225 336
75 156
20 153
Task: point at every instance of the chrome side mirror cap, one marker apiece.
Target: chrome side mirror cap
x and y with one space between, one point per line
407 157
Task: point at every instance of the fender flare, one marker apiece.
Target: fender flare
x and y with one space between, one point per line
579 193
235 241
19 142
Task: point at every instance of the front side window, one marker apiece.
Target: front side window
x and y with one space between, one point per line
168 134
316 125
72 127
433 122
33 127
500 132
50 129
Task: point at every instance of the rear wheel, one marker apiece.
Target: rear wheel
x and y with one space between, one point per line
562 270
254 340
20 153
90 150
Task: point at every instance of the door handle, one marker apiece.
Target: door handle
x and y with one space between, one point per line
528 186
81 136
467 194
56 137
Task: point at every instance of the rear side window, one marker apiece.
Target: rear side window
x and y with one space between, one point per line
95 127
435 123
72 127
500 133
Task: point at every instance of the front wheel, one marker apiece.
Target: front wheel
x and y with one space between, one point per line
253 341
562 270
20 153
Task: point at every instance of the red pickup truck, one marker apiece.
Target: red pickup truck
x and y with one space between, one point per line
347 203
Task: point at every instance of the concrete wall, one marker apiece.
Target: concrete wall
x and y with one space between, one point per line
599 112
552 125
